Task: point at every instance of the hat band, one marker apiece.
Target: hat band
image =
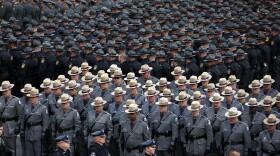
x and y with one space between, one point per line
47 84
184 98
152 93
233 114
204 78
178 72
73 86
267 103
256 86
130 78
27 90
85 91
104 80
133 85
271 122
99 103
74 72
166 94
162 84
193 81
57 86
34 95
267 81
117 75
121 93
88 78
6 87
85 68
133 111
195 107
144 71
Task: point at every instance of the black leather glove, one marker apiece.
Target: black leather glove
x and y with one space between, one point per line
16 131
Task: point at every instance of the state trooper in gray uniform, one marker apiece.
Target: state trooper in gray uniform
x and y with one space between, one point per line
267 89
97 120
88 79
197 133
11 112
182 86
164 128
53 104
124 117
254 120
234 134
150 106
184 113
67 120
133 133
46 91
134 93
216 115
269 144
172 107
73 89
104 82
116 109
84 104
145 70
36 121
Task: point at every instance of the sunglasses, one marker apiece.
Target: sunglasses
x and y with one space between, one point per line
116 77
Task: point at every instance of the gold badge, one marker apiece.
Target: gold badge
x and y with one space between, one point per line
95 67
23 65
11 58
70 65
43 60
267 39
272 43
57 62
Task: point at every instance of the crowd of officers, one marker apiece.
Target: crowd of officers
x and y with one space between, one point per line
198 77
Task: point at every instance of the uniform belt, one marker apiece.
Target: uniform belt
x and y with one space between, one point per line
167 133
9 119
253 136
115 122
83 118
269 152
65 129
215 130
196 137
33 124
234 142
132 149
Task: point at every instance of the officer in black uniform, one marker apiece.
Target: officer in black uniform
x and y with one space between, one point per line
75 58
191 67
265 51
212 68
166 68
157 70
132 60
232 67
4 63
253 59
275 55
244 69
101 64
99 148
3 150
221 66
63 146
62 62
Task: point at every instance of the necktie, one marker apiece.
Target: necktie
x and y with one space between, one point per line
56 98
117 106
96 114
85 101
161 115
271 135
228 105
194 121
47 94
32 107
6 100
150 108
181 110
103 93
252 117
231 125
131 125
216 111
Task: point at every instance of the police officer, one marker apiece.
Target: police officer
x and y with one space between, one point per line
99 147
105 93
267 104
5 63
229 99
232 67
46 91
267 89
191 67
118 80
88 79
234 134
149 148
3 149
268 139
244 69
11 112
156 68
265 53
75 58
150 106
212 68
66 120
101 64
255 90
35 123
166 68
254 120
133 88
63 146
197 133
216 115
182 86
98 119
164 128
134 132
73 90
132 60
145 71
62 62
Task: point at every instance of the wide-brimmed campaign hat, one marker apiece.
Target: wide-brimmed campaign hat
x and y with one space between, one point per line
63 79
104 78
228 91
145 68
98 101
148 83
46 83
85 66
72 85
130 76
255 84
151 91
222 83
117 73
232 79
195 106
133 108
133 84
56 84
88 77
166 93
182 80
205 77
74 71
65 98
129 102
112 68
85 90
197 96
267 80
210 87
216 98
232 113
241 94
26 89
6 85
163 101
182 96
33 93
267 101
252 102
162 82
277 98
193 80
118 92
177 71
271 120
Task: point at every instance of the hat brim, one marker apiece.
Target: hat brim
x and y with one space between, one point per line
162 95
10 87
208 79
156 93
167 83
236 81
196 109
25 92
126 79
232 93
81 69
43 86
271 124
30 96
191 83
180 84
237 115
103 103
236 96
252 105
168 103
220 86
142 72
77 86
221 99
250 86
56 87
271 104
99 81
84 80
71 74
90 90
123 93
128 112
138 85
173 73
272 81
144 86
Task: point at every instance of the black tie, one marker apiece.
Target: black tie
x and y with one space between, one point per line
161 115
228 105
117 106
231 125
103 93
194 121
86 101
32 107
181 110
56 98
96 115
252 117
216 111
271 135
47 94
150 108
6 100
131 125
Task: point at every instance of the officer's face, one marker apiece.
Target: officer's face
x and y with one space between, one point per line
47 90
210 93
267 86
193 86
133 91
84 72
34 100
161 88
57 91
75 77
132 116
64 144
119 98
163 108
195 113
104 86
1 130
229 98
271 128
72 91
242 100
204 83
150 150
181 87
278 104
7 93
216 105
65 105
255 90
267 108
252 109
146 75
117 80
151 99
86 96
